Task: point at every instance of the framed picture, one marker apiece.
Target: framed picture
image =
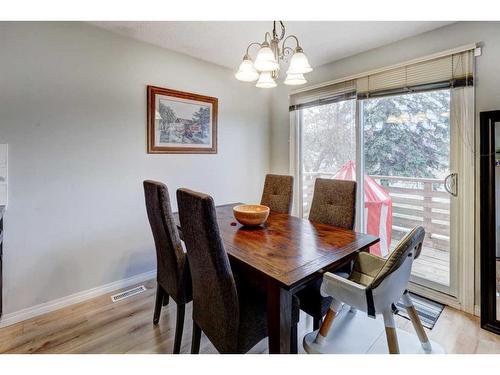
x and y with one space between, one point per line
181 122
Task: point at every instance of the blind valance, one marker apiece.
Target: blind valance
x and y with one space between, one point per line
454 68
323 95
449 71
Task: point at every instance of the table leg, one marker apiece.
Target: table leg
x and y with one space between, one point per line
279 319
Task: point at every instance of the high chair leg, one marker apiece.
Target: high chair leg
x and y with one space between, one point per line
417 324
327 321
390 331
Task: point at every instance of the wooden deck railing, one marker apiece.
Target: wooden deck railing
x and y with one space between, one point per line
415 201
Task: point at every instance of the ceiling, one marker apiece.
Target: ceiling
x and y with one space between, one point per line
224 42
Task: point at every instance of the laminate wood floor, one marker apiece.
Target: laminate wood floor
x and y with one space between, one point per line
100 326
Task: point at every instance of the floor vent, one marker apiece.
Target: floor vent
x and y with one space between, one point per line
128 293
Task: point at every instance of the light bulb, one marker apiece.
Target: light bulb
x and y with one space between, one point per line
266 81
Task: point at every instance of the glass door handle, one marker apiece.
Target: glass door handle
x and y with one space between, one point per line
450 184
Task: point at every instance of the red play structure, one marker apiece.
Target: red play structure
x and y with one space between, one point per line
377 211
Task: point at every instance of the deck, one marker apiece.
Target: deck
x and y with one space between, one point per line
415 201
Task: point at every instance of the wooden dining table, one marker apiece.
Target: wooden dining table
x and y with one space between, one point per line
286 254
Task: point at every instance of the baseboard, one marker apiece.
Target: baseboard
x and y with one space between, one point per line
43 308
477 310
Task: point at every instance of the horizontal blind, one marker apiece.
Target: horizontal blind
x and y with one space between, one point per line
323 95
448 71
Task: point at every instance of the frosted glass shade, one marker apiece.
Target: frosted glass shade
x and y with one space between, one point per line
246 72
265 81
299 64
295 79
265 61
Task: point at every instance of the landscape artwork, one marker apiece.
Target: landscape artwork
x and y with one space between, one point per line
180 122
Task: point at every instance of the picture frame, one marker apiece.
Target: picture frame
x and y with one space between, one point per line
181 122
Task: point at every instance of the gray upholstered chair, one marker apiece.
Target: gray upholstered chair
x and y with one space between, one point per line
334 203
374 286
231 314
173 276
278 193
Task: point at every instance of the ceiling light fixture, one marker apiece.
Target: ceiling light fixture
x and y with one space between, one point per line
266 68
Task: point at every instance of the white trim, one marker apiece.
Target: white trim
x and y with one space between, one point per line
43 308
295 161
433 56
477 310
465 239
360 178
434 295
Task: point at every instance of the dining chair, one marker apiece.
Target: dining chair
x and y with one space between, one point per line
334 203
173 275
278 193
374 286
231 314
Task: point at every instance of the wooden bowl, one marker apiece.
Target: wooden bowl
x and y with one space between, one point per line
251 214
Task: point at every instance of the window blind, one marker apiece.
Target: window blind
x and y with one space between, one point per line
453 70
323 95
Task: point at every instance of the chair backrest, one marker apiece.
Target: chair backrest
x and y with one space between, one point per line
278 193
410 245
172 268
215 298
334 203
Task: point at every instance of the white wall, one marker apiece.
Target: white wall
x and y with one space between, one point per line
487 77
73 111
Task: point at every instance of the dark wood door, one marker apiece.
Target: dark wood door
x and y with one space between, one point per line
488 219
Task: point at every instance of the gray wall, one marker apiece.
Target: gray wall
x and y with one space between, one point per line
487 83
73 111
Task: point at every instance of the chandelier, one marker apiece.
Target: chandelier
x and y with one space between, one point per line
266 68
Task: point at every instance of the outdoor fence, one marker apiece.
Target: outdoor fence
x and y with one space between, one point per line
415 201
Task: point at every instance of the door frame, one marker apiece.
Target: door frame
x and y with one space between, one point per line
462 216
489 311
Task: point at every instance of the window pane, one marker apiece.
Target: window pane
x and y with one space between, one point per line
328 143
407 157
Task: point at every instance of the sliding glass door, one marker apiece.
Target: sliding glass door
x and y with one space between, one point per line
406 135
407 165
403 145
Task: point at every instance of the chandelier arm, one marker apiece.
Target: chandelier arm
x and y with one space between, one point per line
250 45
267 34
286 51
288 37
